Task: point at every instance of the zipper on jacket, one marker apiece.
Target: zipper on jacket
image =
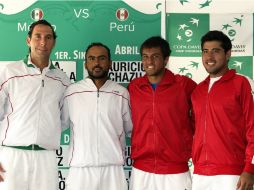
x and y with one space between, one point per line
40 106
97 127
204 137
155 159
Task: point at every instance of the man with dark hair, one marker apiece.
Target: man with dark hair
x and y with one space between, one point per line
30 126
43 22
99 114
162 127
223 145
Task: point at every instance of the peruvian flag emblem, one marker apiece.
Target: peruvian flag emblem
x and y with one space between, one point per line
37 14
122 14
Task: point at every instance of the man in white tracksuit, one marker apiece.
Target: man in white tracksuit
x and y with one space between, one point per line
30 94
99 113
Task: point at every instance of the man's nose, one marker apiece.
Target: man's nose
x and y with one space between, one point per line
43 42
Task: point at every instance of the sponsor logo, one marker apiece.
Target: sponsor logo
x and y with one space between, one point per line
231 27
234 27
202 5
185 30
122 14
241 65
186 70
205 4
37 14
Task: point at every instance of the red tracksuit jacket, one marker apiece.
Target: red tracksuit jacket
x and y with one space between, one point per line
162 128
224 126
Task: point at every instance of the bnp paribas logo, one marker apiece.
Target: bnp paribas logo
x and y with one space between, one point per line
37 14
230 28
201 4
241 65
122 14
186 30
189 69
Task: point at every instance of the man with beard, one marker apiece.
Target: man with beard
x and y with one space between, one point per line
98 112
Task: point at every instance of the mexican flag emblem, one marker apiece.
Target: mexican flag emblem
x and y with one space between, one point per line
37 14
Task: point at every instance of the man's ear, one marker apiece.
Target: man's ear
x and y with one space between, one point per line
85 65
28 40
166 61
228 55
54 43
110 64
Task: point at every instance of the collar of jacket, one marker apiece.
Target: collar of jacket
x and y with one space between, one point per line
91 82
228 75
25 60
167 79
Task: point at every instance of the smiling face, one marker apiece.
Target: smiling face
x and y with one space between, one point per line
41 42
154 63
215 59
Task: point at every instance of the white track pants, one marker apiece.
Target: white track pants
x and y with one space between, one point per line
96 178
217 182
141 180
28 169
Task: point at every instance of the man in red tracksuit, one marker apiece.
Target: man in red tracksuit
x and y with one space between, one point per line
162 128
223 145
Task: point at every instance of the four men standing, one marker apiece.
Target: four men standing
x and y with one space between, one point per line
97 110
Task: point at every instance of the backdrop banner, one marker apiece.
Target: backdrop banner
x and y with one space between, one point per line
123 26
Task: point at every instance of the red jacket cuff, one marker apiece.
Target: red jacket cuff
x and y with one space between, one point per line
249 168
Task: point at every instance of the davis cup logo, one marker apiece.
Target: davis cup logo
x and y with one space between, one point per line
122 14
37 14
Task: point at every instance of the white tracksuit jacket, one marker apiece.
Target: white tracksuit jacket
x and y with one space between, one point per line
99 121
30 104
